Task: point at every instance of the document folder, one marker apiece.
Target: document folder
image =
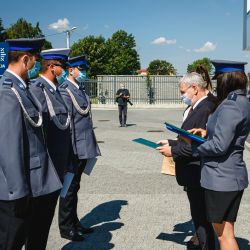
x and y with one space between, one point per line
146 142
184 133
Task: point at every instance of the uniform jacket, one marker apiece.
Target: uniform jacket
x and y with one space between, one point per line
223 168
25 166
82 133
58 140
188 168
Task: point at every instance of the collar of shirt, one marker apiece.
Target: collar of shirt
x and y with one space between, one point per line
18 77
186 113
196 104
75 84
52 85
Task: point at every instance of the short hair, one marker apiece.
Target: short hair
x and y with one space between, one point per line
13 55
193 77
230 81
46 63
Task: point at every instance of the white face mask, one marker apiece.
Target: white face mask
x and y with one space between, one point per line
186 100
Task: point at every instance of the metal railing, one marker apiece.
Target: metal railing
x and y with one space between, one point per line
143 89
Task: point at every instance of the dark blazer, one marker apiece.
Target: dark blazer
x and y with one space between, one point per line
25 166
82 133
188 168
58 140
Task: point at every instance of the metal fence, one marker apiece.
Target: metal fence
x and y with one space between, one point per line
143 89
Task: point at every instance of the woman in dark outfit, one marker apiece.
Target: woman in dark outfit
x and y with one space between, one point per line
224 175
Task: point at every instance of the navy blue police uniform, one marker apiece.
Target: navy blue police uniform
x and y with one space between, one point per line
57 135
84 147
26 170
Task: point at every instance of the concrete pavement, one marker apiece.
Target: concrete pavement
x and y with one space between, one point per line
128 202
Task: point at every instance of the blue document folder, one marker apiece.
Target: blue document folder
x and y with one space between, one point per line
146 142
184 133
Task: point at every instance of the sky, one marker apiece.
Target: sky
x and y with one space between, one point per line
178 31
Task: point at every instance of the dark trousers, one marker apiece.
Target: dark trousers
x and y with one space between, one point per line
122 114
204 229
42 213
14 216
68 219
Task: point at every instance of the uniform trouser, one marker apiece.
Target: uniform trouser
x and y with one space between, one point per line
14 217
42 213
204 229
68 219
122 114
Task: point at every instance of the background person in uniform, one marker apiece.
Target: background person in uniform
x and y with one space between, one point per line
188 169
83 142
224 175
57 135
26 170
122 98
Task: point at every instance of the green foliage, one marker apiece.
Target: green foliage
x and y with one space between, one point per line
116 56
94 48
123 57
161 67
204 62
23 29
2 31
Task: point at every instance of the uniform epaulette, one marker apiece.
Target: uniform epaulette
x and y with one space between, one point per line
64 85
40 85
8 83
232 97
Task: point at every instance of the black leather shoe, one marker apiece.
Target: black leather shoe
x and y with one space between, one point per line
73 235
190 245
85 230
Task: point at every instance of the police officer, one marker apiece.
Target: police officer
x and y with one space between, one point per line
224 175
83 142
26 170
57 134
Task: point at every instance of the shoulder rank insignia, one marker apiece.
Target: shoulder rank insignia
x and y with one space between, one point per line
64 85
51 90
232 97
40 84
8 82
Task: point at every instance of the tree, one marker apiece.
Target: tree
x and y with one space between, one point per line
2 31
161 67
94 48
205 62
123 58
23 29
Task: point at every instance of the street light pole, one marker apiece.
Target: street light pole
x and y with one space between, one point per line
68 36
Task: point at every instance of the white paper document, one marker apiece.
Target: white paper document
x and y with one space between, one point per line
68 177
90 165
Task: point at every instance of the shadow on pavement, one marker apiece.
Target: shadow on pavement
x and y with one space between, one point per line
101 218
181 231
130 124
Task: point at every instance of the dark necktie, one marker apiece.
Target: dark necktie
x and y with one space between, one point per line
190 111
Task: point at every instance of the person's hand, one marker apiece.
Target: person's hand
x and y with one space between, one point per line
198 131
165 150
163 142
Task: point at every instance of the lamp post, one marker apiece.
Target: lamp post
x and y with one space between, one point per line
68 36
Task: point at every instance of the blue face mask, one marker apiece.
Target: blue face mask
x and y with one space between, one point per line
61 78
81 78
32 73
186 100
